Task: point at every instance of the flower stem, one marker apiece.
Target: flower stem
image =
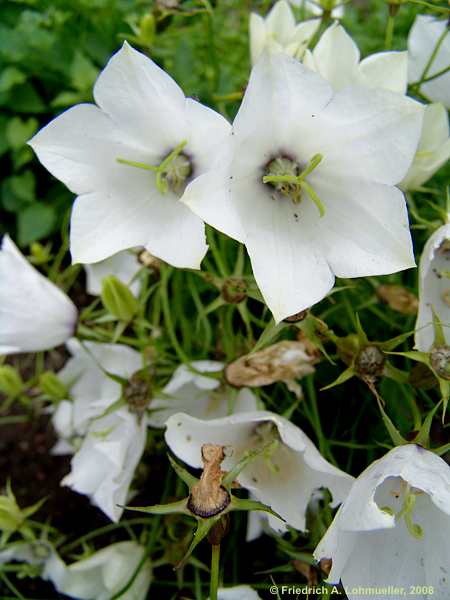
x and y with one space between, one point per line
214 582
389 32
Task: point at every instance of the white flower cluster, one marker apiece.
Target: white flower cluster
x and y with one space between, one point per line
311 178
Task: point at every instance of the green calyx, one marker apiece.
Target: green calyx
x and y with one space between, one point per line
285 176
210 499
171 174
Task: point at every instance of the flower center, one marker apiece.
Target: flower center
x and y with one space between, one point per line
406 511
171 174
288 179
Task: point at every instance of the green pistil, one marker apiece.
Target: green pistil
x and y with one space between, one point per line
406 512
291 183
170 173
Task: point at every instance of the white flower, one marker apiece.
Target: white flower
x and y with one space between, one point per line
34 314
238 592
336 57
433 150
434 288
428 35
198 395
283 477
124 265
278 32
104 466
394 527
317 7
109 445
103 574
90 387
337 211
142 117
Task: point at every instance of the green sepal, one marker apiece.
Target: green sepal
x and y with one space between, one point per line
362 337
422 357
439 337
396 374
394 342
309 327
189 479
247 457
395 435
423 437
343 377
445 393
202 530
247 505
163 509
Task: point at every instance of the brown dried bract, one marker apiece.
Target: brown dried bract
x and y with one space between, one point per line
284 361
398 298
208 497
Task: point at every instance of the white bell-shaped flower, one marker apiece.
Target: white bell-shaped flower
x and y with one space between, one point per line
238 592
34 314
393 530
433 150
318 7
278 32
337 58
307 180
129 158
430 37
285 474
198 395
434 289
103 574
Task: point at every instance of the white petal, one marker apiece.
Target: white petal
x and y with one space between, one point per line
336 57
292 273
142 100
365 228
198 395
433 290
81 147
130 214
91 389
239 592
370 134
303 34
281 21
257 35
298 468
422 41
124 265
34 314
104 466
433 150
102 574
386 70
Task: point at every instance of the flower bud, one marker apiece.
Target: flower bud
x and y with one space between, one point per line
118 299
234 290
137 393
440 361
11 383
51 385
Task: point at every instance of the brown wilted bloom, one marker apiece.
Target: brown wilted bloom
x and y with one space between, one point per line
325 565
398 298
208 497
284 361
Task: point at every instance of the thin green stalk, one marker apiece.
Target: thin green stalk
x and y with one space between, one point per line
214 582
389 32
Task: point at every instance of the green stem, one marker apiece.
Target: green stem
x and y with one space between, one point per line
214 582
433 56
389 32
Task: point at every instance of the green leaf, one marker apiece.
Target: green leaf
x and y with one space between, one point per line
248 505
83 72
203 527
10 77
35 222
23 186
19 131
66 98
25 99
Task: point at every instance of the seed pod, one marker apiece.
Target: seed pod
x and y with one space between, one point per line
370 362
137 392
234 290
440 361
